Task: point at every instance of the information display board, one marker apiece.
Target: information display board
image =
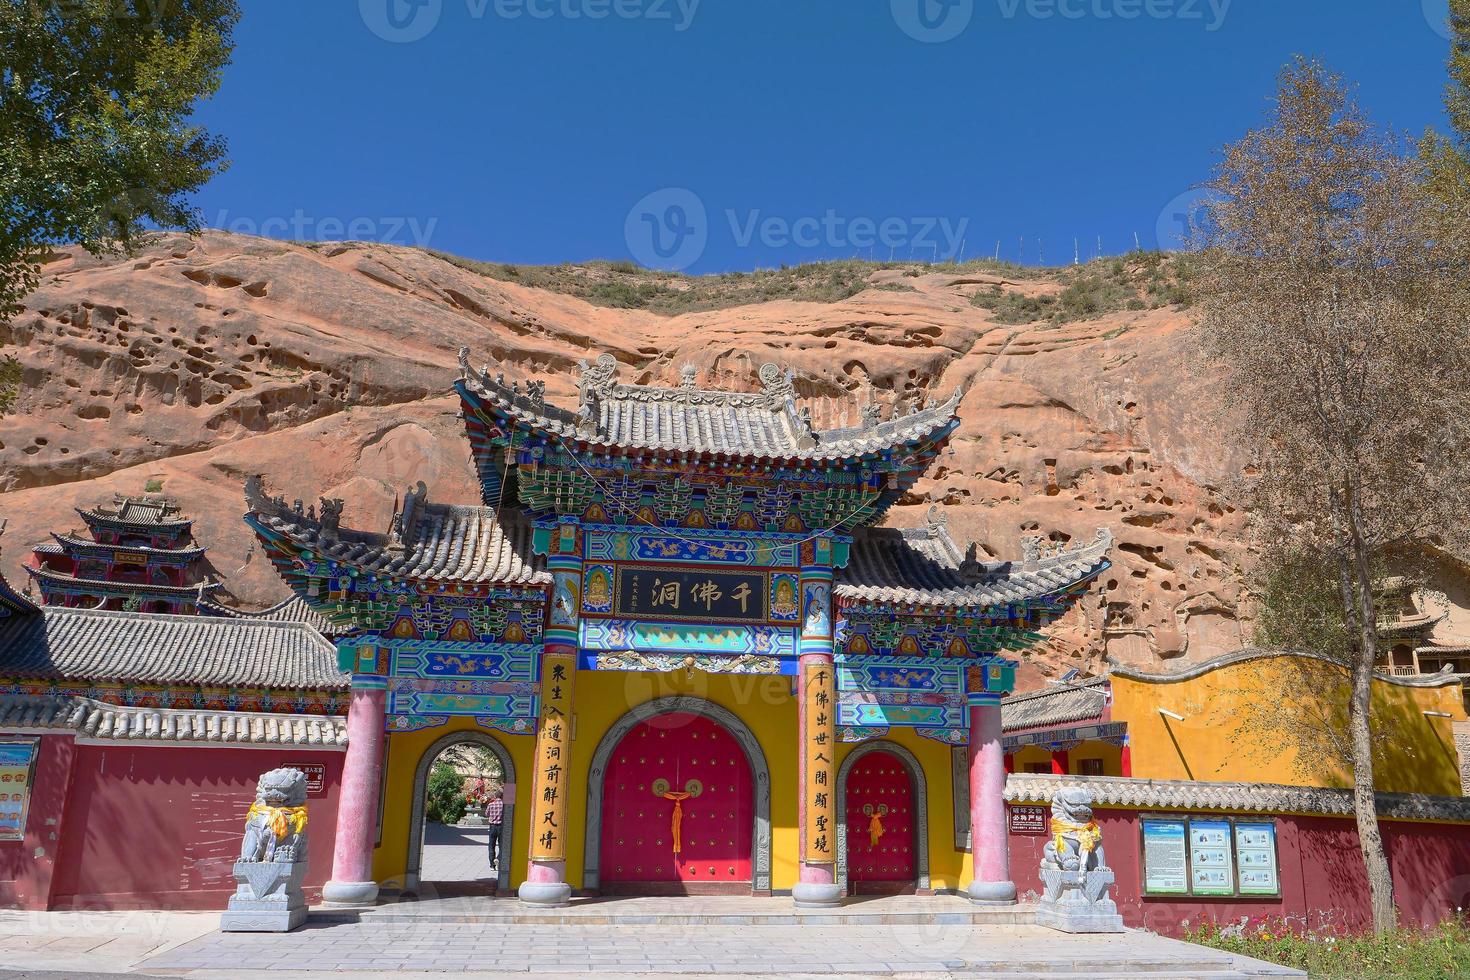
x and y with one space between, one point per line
17 768
1165 858
1255 850
1209 856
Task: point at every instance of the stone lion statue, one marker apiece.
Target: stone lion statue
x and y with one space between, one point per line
1076 841
275 826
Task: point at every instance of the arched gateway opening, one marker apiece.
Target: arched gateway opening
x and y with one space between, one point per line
415 876
678 804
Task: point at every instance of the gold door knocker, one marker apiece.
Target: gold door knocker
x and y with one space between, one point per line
691 789
875 821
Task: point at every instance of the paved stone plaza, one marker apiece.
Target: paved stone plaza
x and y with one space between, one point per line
456 853
431 938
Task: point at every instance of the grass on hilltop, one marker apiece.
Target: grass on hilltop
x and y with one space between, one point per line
1144 281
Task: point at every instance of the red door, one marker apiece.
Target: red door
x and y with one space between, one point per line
880 825
684 774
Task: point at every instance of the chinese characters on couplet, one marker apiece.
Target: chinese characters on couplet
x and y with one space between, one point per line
553 756
819 692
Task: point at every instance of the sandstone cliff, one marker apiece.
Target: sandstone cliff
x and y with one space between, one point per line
326 368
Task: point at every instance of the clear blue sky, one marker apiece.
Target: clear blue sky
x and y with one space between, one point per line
734 134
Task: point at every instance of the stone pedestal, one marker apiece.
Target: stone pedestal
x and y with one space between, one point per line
1077 901
268 897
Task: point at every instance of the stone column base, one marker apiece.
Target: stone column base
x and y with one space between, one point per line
816 895
350 894
992 892
545 894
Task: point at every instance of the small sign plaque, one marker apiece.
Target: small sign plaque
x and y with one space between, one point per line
1028 820
316 776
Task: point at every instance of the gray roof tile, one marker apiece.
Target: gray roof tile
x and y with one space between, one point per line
764 424
91 645
1060 705
435 542
292 610
100 720
923 566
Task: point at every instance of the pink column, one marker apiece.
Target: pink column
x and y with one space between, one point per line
989 843
357 810
816 885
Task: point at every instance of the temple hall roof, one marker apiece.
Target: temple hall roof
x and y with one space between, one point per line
154 512
292 610
46 576
924 567
434 542
11 601
74 544
1062 704
142 648
688 419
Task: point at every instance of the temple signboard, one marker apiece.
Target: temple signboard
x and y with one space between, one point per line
705 595
819 693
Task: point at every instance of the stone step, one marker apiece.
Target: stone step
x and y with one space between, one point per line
519 915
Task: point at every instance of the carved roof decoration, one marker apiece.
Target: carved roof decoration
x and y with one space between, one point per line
1172 794
425 542
144 648
924 567
91 719
1061 704
292 610
766 424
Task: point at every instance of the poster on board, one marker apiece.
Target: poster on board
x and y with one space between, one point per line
1255 854
1211 864
15 787
1165 858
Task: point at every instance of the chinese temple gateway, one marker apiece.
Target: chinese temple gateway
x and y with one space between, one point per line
701 666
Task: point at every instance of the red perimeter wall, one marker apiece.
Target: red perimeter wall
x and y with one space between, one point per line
150 826
1322 878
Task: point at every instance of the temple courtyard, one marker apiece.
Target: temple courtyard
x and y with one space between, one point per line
898 936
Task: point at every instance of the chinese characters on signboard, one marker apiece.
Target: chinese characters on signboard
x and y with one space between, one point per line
674 593
316 776
1165 858
553 758
819 692
15 787
1028 820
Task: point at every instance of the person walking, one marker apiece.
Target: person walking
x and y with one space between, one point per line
494 815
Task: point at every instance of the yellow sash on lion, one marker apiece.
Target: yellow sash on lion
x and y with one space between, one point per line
281 818
1088 834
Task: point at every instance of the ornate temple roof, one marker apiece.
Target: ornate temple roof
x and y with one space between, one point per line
292 610
765 424
142 648
61 580
11 601
72 544
924 567
137 512
93 719
427 542
1063 704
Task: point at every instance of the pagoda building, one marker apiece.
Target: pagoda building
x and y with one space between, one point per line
675 623
137 555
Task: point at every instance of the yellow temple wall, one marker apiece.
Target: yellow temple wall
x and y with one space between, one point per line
763 703
1251 720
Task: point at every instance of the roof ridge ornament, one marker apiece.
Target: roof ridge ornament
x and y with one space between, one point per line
597 382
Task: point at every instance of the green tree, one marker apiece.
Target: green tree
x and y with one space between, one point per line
445 802
96 140
1335 310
